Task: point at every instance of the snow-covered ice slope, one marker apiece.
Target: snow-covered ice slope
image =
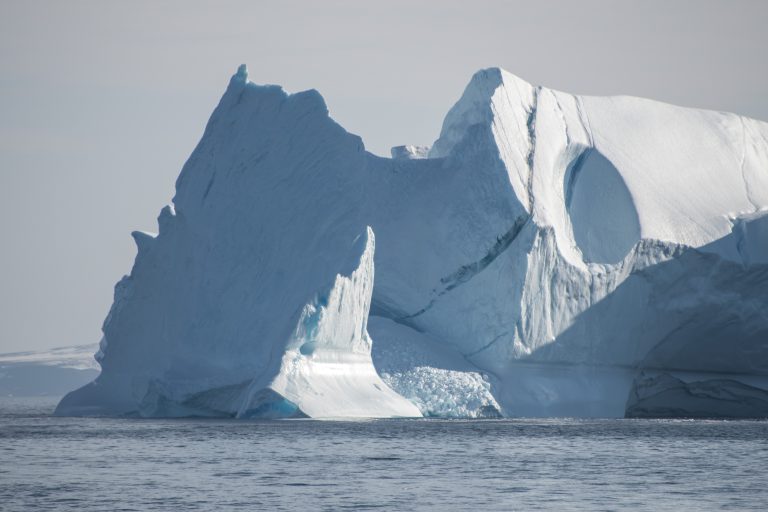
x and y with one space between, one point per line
545 252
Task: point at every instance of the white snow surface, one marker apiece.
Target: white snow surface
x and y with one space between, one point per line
546 249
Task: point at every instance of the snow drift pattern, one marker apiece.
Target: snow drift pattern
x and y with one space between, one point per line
545 256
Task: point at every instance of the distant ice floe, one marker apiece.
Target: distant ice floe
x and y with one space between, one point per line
52 372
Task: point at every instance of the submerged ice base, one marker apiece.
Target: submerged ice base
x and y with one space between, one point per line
546 252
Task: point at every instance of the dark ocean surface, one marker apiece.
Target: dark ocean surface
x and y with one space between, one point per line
49 463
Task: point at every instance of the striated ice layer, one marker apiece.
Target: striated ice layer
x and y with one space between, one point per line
541 255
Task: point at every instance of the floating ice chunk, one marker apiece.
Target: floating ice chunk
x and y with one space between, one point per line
410 152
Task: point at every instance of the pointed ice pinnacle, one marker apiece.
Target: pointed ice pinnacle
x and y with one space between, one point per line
242 74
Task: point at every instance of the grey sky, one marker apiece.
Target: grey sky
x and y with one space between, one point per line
102 102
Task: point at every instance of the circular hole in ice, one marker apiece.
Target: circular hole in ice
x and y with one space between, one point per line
602 212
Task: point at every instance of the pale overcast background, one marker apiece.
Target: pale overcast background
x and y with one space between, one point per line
102 102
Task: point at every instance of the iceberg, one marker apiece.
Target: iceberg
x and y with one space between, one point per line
546 256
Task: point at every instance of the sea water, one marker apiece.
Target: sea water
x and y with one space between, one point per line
49 463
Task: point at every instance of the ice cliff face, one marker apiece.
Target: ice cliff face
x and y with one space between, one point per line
547 256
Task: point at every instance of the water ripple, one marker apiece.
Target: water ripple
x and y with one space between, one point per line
86 464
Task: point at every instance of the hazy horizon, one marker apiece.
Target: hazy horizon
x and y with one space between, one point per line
103 102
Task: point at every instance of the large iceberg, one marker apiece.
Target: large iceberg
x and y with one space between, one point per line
549 255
